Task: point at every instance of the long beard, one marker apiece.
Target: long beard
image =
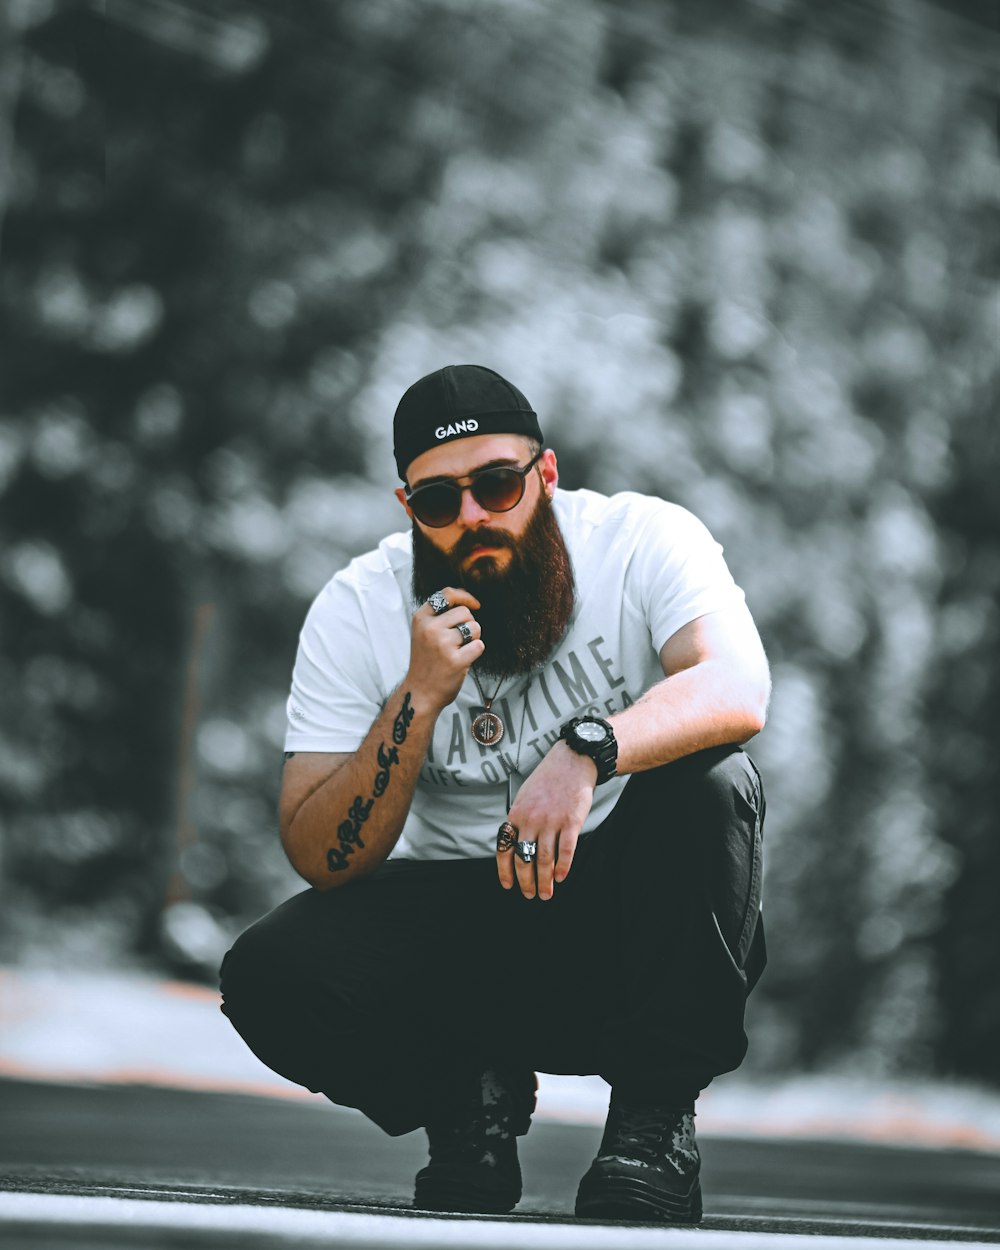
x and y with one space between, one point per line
526 607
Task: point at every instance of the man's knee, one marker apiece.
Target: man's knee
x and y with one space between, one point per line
250 979
269 964
712 774
239 965
711 788
333 948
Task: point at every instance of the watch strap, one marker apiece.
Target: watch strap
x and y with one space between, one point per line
604 754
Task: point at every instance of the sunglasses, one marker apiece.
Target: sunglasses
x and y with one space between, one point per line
497 490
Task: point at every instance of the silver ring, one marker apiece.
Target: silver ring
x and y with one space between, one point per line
525 851
438 602
465 631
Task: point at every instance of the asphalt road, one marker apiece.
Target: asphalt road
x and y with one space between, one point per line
234 1152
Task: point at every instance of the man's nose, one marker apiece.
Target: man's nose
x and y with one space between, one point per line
472 513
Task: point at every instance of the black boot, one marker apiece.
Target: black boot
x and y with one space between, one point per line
646 1169
473 1165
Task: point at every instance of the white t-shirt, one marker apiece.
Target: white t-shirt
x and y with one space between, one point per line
644 568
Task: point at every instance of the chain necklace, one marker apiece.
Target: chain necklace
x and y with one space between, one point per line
488 730
487 727
514 779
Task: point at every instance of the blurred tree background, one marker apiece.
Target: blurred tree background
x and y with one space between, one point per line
742 256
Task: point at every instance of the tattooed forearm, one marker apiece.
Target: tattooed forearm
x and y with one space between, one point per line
386 759
349 834
349 830
402 722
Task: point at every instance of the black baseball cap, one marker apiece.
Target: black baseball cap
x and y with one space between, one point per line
458 401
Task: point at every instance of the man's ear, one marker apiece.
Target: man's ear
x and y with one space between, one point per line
549 469
400 494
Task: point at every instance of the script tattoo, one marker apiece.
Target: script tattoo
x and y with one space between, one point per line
349 834
349 830
386 760
402 722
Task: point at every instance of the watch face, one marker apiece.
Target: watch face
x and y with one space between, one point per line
590 731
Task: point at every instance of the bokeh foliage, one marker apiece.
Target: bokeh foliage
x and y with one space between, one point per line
740 256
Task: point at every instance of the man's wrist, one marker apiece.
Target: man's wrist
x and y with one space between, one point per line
426 699
593 737
587 766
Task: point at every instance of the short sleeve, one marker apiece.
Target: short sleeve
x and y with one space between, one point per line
335 694
677 573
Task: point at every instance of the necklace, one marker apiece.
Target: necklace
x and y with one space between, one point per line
514 779
487 727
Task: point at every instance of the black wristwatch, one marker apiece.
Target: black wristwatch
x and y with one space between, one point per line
589 735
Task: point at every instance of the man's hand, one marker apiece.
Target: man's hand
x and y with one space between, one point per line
439 659
550 809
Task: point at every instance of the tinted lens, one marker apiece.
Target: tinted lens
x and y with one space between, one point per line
498 490
436 505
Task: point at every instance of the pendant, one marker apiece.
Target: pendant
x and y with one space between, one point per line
514 783
488 729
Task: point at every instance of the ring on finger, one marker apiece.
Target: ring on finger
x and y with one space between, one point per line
526 851
506 836
465 632
438 602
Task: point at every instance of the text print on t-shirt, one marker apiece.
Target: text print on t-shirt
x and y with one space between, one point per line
569 686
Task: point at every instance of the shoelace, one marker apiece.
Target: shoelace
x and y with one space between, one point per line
638 1129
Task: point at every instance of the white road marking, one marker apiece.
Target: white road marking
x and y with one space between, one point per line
348 1229
820 1210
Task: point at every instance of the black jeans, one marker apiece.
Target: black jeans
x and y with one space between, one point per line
383 993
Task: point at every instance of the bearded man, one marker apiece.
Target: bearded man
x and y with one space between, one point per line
514 782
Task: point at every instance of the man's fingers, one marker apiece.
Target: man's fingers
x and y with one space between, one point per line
512 870
455 626
535 878
567 849
467 628
548 867
471 652
505 869
545 865
525 876
453 596
455 629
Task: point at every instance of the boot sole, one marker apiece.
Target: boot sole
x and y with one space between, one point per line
444 1193
626 1198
